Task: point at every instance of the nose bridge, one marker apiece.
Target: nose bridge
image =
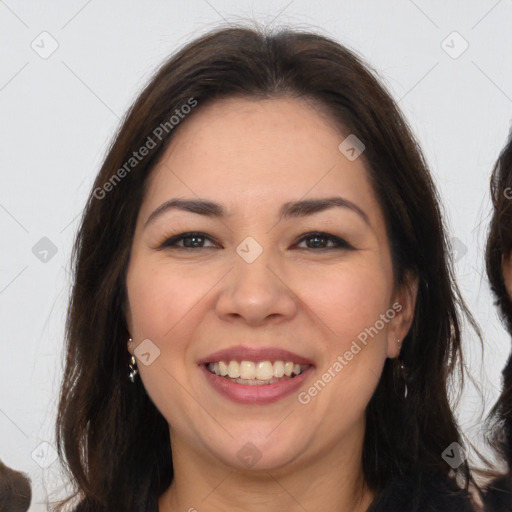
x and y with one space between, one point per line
252 276
254 289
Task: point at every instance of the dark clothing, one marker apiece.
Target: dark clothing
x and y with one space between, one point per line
421 493
404 494
149 505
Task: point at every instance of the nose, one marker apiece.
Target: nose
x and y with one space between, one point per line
256 293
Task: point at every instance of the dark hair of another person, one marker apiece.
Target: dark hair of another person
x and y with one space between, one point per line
15 492
112 438
499 248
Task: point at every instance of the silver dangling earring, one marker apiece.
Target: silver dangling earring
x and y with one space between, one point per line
133 369
132 365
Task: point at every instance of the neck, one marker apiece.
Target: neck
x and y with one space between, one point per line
333 481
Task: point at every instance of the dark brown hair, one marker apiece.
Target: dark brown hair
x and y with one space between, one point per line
15 491
113 439
499 242
499 248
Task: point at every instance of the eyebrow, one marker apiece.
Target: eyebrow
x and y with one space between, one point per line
288 210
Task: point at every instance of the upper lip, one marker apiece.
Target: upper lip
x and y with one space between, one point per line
244 353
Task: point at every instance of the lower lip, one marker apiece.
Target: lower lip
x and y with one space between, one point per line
256 394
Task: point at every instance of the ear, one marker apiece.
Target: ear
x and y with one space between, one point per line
130 345
403 304
506 268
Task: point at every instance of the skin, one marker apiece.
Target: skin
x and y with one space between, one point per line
253 156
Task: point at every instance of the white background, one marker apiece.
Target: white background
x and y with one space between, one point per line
59 113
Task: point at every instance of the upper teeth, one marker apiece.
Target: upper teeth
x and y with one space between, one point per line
262 370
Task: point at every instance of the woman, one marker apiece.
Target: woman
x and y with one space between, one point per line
263 315
499 269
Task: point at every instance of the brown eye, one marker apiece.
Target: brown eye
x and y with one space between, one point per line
319 240
192 240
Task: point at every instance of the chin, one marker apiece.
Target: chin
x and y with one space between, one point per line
259 451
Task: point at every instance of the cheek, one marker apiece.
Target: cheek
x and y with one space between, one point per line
347 300
160 297
163 308
168 303
350 304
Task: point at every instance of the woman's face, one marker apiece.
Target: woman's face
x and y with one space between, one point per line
261 286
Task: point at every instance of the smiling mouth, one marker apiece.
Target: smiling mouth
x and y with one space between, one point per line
256 373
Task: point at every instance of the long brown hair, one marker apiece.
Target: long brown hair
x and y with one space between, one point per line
112 438
499 249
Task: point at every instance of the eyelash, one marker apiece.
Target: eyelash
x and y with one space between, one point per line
171 242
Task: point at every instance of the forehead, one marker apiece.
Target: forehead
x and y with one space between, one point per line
245 153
